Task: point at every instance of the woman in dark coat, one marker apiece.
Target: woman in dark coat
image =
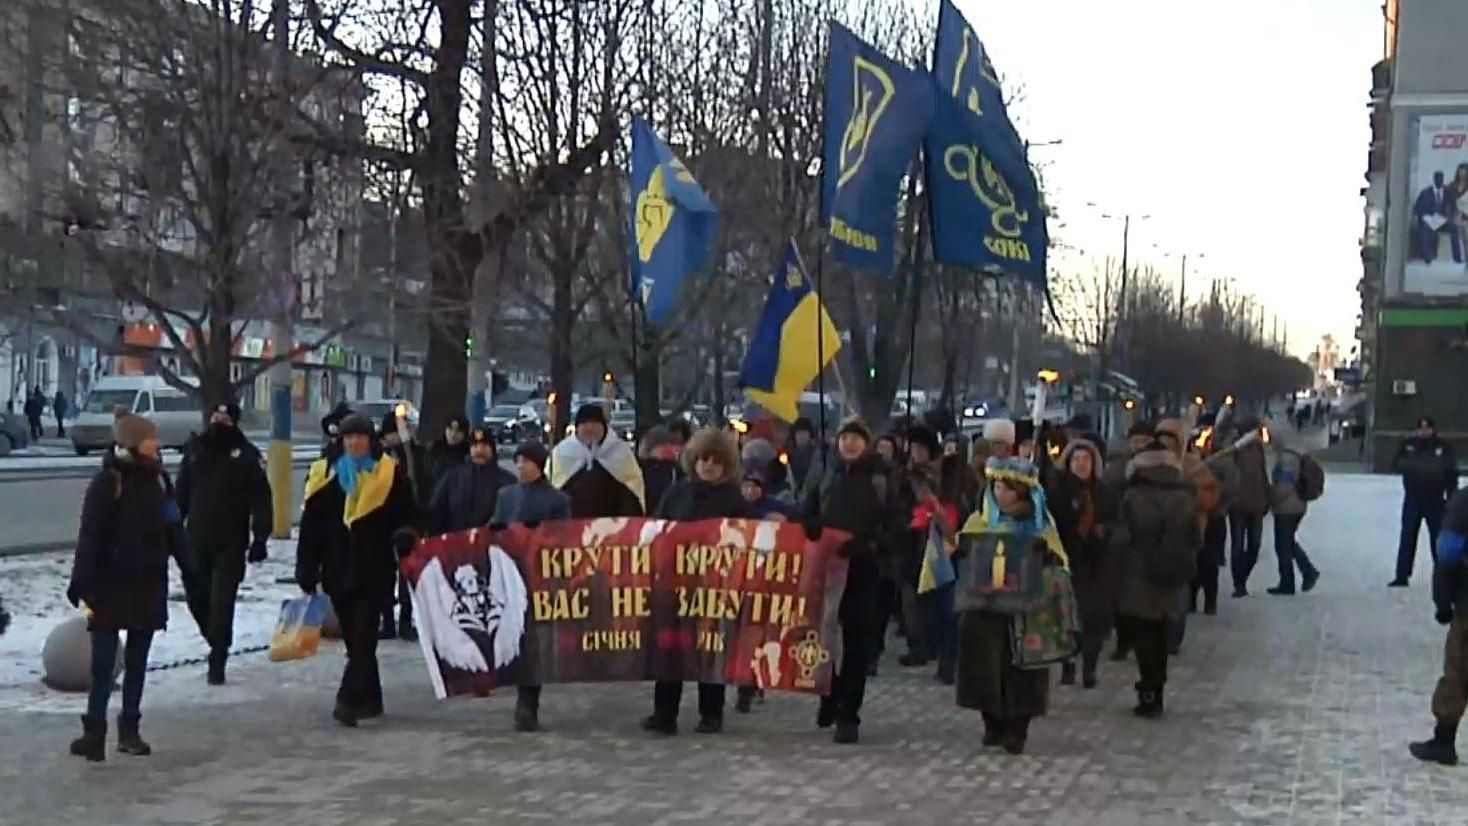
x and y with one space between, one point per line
710 490
1084 508
1156 542
1007 542
130 526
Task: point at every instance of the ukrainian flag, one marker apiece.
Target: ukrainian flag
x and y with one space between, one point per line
783 357
937 569
673 222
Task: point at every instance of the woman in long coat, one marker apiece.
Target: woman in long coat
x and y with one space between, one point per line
1002 546
1084 507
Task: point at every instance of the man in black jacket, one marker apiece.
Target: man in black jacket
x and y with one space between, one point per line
851 496
225 499
1429 471
466 495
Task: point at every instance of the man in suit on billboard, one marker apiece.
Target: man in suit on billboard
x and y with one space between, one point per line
1433 215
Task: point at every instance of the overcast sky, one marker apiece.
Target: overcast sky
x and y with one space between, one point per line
1240 127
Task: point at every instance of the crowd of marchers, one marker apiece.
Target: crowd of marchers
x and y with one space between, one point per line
1143 533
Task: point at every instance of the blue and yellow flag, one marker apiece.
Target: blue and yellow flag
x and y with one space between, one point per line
783 357
876 112
986 210
937 569
673 222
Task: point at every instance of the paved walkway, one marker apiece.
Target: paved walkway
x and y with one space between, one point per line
1280 711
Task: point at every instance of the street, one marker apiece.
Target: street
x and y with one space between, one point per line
1280 711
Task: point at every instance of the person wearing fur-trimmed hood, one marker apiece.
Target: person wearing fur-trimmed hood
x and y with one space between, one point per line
1156 545
1005 544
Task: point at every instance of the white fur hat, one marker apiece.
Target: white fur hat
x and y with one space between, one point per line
999 430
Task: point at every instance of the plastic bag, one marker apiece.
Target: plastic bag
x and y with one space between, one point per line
298 631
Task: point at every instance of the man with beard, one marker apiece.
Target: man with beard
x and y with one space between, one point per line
222 495
465 498
597 470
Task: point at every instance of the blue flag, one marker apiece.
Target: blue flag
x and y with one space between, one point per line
876 112
964 71
673 222
784 356
986 209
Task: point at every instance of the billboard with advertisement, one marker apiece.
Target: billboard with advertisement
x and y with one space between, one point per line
1437 201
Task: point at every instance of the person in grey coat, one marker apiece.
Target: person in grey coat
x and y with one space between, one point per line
532 501
1155 544
1289 511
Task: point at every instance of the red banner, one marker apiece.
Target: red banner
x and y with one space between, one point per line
724 600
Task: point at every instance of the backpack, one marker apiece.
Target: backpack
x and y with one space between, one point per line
1310 483
1169 550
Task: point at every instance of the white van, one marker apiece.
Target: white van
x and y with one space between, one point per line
177 414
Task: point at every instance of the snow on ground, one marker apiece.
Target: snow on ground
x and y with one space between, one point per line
33 589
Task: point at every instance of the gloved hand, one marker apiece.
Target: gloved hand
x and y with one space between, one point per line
403 541
258 553
1443 616
812 528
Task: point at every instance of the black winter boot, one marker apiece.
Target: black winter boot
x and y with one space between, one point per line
345 714
826 713
1068 672
744 702
1016 732
1442 748
93 742
527 715
993 732
217 658
847 733
128 741
946 672
657 724
709 724
1149 703
1088 671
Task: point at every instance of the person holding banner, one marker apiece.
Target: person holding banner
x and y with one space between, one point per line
851 496
710 490
357 515
598 470
530 502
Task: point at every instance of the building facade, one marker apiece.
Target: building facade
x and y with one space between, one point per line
1415 281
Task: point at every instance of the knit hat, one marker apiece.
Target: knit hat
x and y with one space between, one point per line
230 409
532 452
760 450
357 425
589 413
130 431
999 431
854 424
920 435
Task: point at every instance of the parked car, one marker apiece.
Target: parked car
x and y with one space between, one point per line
15 433
624 424
507 424
177 414
377 410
